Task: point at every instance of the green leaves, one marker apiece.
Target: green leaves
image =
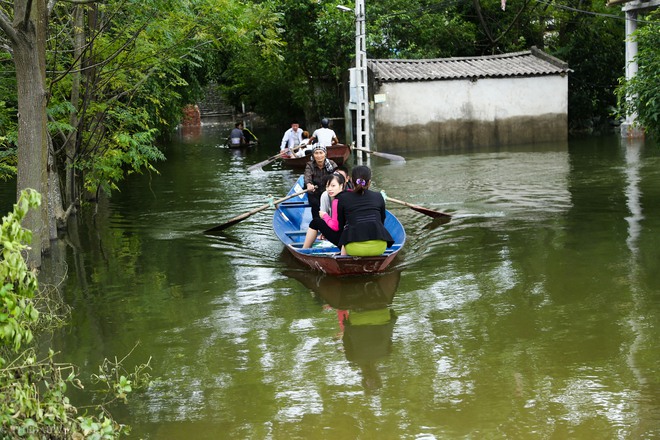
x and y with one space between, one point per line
17 283
641 94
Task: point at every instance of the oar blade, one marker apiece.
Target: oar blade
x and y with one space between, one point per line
429 212
425 211
257 166
390 156
227 224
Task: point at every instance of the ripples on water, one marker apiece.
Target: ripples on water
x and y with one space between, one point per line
531 314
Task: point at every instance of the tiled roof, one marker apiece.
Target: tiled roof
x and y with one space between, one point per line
533 62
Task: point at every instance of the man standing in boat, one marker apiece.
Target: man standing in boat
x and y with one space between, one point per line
324 136
292 137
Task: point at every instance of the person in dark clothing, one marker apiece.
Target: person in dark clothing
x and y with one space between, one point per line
361 216
315 171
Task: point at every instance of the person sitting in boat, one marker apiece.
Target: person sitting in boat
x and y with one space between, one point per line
250 138
292 137
315 170
324 136
236 136
344 172
361 215
326 202
305 146
327 223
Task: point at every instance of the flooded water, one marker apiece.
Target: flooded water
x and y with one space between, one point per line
533 314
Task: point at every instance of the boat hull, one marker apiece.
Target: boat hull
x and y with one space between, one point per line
290 222
339 153
333 264
241 146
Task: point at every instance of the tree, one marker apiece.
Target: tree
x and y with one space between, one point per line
26 35
590 40
641 94
113 76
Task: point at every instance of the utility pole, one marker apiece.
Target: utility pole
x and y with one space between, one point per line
361 76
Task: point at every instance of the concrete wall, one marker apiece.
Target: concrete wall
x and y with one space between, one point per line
459 114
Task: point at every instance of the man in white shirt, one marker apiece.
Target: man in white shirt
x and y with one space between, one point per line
292 137
324 136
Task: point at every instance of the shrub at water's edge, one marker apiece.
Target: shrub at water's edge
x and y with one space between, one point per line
33 400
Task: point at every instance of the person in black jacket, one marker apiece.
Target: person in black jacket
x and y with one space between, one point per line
361 216
316 169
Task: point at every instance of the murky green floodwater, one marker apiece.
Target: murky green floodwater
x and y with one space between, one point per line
533 314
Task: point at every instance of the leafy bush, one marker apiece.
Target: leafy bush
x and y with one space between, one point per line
641 94
33 401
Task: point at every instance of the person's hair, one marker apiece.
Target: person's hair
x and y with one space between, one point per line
237 124
334 176
361 177
344 169
305 134
325 123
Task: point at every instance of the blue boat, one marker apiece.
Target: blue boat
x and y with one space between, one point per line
291 220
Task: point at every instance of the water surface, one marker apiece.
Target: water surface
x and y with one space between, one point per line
533 314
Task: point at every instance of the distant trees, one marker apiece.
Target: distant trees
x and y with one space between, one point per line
320 43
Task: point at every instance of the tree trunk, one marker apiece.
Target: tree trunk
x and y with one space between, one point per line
30 61
71 190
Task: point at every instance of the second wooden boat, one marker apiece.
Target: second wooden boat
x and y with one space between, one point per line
339 153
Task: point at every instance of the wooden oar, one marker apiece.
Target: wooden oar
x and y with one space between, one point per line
242 217
389 156
425 211
263 163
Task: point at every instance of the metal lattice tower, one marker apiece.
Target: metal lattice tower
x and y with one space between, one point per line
362 111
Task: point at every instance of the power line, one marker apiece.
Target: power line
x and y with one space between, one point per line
598 14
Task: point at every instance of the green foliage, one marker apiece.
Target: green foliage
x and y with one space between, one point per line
139 67
128 149
418 29
8 156
592 45
641 94
17 282
33 400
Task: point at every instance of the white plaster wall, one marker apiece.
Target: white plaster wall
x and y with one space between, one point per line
489 99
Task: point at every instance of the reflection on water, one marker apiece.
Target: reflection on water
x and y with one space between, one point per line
532 314
364 316
633 151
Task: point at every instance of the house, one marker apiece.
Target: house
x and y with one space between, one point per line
451 104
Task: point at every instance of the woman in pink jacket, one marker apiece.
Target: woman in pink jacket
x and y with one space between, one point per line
327 223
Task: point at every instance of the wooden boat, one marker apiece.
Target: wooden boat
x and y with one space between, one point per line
250 138
290 222
339 153
250 144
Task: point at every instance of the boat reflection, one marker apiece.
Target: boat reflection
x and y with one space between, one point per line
365 319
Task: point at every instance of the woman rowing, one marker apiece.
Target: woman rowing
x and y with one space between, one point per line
315 171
